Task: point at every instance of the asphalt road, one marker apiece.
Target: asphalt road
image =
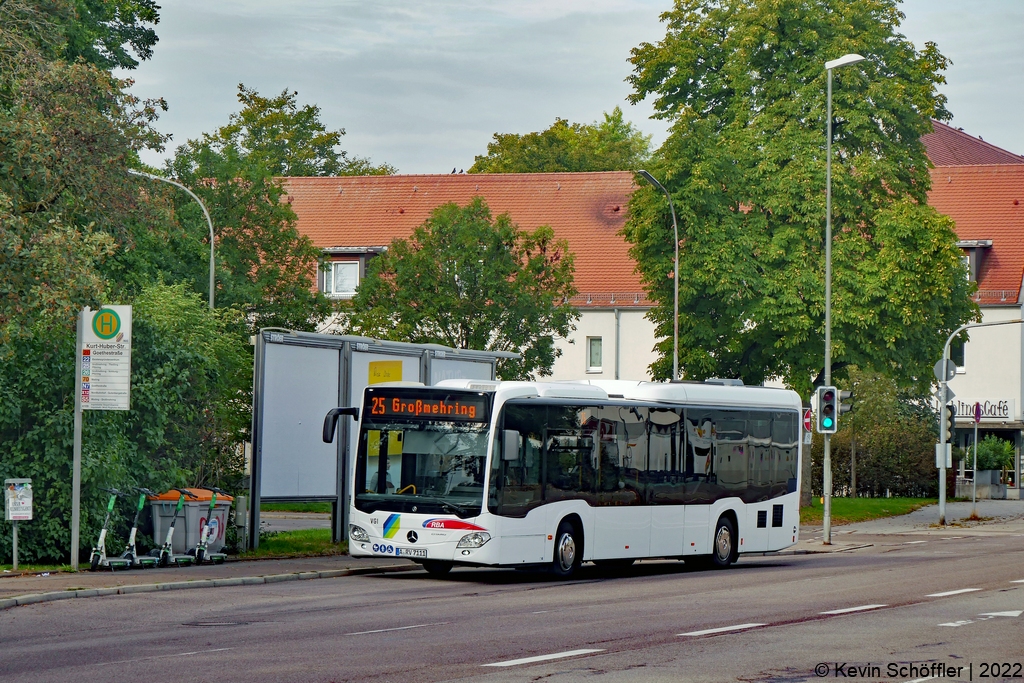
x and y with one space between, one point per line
646 624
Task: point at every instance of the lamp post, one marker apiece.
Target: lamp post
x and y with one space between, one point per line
205 213
845 60
675 276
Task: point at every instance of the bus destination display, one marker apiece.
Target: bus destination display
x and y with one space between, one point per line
462 407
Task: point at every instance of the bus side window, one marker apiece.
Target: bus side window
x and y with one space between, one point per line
785 437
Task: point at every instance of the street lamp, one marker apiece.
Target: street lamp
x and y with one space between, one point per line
205 213
845 60
675 278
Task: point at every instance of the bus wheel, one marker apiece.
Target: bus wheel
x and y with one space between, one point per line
437 567
724 551
567 551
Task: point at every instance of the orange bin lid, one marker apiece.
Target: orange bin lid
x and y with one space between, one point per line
200 496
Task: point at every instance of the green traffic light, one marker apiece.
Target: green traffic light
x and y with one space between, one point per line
827 423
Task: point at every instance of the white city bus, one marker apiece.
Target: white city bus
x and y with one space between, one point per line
514 474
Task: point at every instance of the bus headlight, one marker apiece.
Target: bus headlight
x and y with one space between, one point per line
474 540
357 533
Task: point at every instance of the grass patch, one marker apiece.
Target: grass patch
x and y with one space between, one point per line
299 543
295 507
850 510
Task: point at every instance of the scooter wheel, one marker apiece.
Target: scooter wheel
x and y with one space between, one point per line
94 562
164 560
200 554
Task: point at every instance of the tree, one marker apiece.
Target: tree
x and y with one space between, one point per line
107 33
287 140
470 281
609 145
742 84
265 266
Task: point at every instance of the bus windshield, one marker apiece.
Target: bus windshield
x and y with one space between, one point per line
418 463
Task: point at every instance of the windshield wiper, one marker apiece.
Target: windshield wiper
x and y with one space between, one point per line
452 507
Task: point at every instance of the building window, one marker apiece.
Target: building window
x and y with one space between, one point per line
956 354
593 354
341 279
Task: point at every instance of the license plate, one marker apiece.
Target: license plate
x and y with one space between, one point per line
411 552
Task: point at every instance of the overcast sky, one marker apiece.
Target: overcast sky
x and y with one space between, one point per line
424 84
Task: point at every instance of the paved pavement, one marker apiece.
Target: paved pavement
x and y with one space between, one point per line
913 602
1000 518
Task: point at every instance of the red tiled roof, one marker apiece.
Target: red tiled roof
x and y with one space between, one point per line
987 203
948 146
586 209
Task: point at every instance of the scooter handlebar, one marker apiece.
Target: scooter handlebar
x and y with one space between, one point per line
218 491
186 492
113 492
142 489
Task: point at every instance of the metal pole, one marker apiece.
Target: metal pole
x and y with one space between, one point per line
76 466
974 477
675 274
14 546
827 438
205 213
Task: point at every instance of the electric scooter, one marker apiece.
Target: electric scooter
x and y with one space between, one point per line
200 551
165 555
130 553
99 553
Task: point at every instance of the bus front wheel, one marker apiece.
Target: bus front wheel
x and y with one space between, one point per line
568 555
437 567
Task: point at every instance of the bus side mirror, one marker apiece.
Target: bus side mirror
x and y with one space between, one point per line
331 421
509 445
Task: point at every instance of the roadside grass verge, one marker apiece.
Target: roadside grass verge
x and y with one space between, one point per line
295 507
299 543
851 510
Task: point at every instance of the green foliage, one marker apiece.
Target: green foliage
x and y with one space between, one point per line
264 266
993 454
287 140
108 33
742 84
894 433
186 370
470 281
609 145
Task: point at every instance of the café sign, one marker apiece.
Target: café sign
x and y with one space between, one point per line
992 410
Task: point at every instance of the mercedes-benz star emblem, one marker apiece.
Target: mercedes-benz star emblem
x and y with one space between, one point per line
412 536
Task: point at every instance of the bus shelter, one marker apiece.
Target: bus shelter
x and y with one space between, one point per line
298 377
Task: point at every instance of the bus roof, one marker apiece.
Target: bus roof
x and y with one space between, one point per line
657 392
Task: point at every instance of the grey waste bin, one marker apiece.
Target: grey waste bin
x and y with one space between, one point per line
190 520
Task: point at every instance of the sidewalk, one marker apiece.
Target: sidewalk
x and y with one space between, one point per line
29 588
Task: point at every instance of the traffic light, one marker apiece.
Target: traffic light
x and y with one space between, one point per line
845 401
948 424
828 409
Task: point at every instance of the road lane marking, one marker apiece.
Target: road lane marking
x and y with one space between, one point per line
956 592
179 654
846 610
914 542
922 680
544 658
721 629
397 628
1018 581
1012 613
954 624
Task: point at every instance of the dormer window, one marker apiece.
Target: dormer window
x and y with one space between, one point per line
974 256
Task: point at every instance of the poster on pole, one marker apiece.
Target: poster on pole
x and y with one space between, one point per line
18 500
106 355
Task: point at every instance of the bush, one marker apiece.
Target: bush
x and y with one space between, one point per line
993 454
